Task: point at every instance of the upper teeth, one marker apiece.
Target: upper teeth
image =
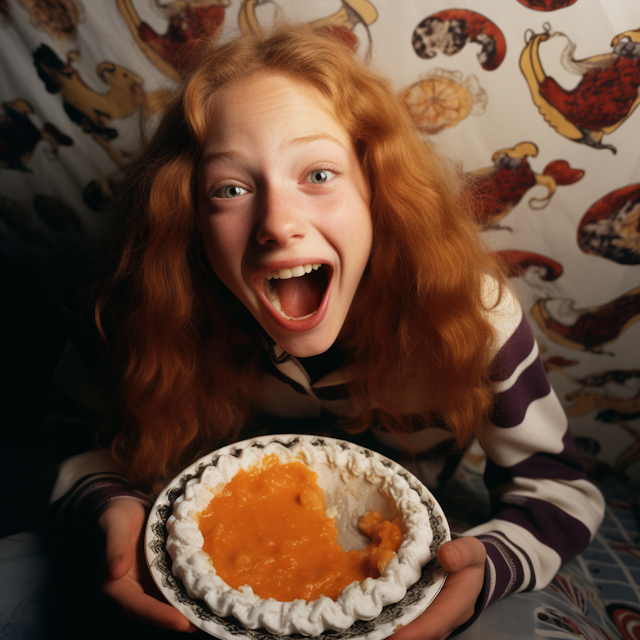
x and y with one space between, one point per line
294 272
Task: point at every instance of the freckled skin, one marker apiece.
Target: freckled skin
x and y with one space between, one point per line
269 137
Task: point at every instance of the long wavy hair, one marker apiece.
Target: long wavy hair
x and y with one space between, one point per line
186 358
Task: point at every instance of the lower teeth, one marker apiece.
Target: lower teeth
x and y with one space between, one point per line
271 294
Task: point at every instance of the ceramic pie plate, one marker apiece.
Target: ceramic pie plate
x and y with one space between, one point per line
418 597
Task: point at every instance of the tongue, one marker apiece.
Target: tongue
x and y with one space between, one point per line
300 296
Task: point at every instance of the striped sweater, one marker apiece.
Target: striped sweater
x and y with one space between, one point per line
543 510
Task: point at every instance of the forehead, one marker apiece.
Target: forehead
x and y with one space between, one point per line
269 102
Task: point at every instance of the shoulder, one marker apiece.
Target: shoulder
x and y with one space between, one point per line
504 312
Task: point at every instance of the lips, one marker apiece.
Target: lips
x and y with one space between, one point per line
296 293
296 296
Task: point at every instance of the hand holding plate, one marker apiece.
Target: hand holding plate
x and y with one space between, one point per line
464 559
128 582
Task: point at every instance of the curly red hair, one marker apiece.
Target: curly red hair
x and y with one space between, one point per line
188 364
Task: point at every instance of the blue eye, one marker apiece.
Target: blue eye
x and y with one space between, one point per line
319 176
230 191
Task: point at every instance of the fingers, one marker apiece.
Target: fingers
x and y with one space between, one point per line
463 552
464 560
137 604
454 605
122 522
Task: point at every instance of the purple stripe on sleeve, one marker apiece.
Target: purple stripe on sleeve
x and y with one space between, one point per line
513 351
532 574
503 574
509 574
565 465
510 406
546 522
84 507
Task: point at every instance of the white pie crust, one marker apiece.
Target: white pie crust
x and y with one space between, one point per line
353 483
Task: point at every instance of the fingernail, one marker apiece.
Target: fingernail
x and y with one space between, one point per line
454 556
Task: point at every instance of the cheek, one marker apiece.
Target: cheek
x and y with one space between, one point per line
360 233
222 247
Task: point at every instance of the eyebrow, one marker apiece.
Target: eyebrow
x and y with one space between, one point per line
218 155
295 142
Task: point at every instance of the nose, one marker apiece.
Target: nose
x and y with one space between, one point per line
280 220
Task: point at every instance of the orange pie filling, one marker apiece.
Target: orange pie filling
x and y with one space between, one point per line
268 529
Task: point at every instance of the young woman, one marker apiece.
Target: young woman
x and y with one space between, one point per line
288 246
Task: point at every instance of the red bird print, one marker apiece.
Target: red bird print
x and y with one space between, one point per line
500 187
591 328
611 227
517 263
547 5
191 24
605 97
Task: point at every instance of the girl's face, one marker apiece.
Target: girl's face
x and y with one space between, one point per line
281 191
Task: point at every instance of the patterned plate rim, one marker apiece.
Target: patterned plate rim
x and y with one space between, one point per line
418 597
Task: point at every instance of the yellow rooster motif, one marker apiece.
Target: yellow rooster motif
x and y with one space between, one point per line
91 110
341 23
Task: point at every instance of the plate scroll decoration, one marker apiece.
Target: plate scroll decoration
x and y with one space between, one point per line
159 561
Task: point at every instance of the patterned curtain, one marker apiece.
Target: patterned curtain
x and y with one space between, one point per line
536 99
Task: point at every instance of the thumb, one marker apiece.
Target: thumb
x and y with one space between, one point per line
461 553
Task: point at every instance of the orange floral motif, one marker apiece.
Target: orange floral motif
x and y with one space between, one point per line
442 99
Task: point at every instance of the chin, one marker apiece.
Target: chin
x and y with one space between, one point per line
304 346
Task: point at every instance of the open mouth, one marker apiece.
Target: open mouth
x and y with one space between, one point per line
296 293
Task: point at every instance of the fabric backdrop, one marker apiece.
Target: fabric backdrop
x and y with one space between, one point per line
535 98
